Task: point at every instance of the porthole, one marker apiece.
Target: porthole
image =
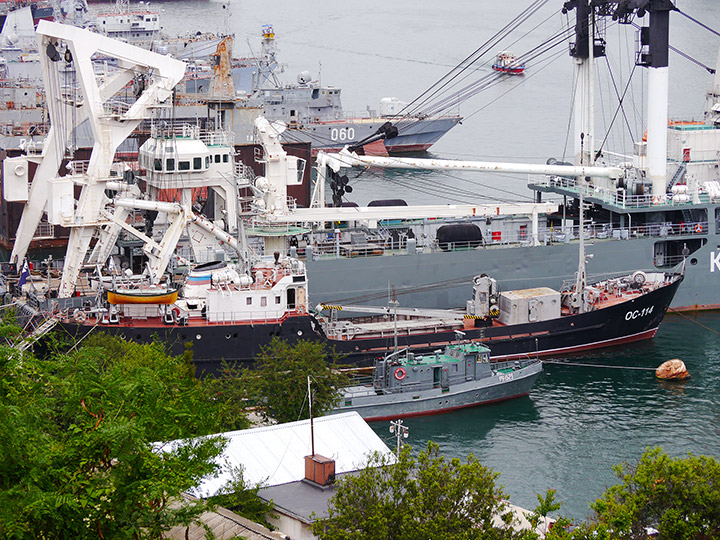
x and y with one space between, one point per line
228 336
693 261
299 332
198 337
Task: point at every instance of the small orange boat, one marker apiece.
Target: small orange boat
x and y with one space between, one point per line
147 295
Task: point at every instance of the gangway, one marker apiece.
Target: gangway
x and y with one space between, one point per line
39 331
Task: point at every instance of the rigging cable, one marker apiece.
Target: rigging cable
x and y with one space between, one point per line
703 25
493 78
414 106
430 187
685 55
618 109
606 366
423 105
693 321
549 61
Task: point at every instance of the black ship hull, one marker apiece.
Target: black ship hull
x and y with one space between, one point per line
238 344
626 322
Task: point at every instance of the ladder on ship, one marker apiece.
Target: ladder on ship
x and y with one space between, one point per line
39 331
679 175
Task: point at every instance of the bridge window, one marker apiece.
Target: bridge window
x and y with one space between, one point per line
197 163
248 300
217 158
157 164
207 162
170 164
226 158
263 301
184 166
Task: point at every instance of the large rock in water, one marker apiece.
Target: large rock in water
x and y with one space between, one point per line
672 369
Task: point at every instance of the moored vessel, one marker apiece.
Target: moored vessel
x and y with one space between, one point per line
233 322
460 376
515 324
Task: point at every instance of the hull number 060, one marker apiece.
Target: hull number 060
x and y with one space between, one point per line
630 315
342 134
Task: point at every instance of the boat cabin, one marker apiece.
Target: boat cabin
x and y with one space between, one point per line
404 371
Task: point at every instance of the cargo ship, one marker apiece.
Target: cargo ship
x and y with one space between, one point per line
230 312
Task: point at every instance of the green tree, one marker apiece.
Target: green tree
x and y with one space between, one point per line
9 328
678 496
278 382
241 497
546 504
427 497
77 434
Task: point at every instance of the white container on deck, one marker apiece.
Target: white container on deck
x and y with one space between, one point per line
529 305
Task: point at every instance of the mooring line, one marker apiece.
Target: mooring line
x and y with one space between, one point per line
596 365
693 321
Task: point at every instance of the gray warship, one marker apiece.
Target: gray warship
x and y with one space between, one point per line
664 208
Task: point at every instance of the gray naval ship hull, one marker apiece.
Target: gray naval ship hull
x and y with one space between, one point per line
499 387
416 135
443 279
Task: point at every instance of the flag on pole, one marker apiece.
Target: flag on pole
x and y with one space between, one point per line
24 275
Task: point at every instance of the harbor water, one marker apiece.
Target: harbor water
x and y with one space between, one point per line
577 421
580 421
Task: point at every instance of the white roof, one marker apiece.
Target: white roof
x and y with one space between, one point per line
274 455
530 293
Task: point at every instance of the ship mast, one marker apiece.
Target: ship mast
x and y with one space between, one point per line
585 55
654 40
586 48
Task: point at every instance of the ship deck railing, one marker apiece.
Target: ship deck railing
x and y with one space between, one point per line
369 115
364 386
613 197
230 318
546 235
171 130
367 388
44 231
114 108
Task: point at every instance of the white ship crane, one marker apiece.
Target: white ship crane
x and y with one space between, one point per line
111 121
283 170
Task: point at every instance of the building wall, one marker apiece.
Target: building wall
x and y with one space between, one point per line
294 528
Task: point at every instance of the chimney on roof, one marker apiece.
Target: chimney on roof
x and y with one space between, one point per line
319 470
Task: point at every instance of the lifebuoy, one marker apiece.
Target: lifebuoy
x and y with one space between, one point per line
400 374
698 228
176 313
79 316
